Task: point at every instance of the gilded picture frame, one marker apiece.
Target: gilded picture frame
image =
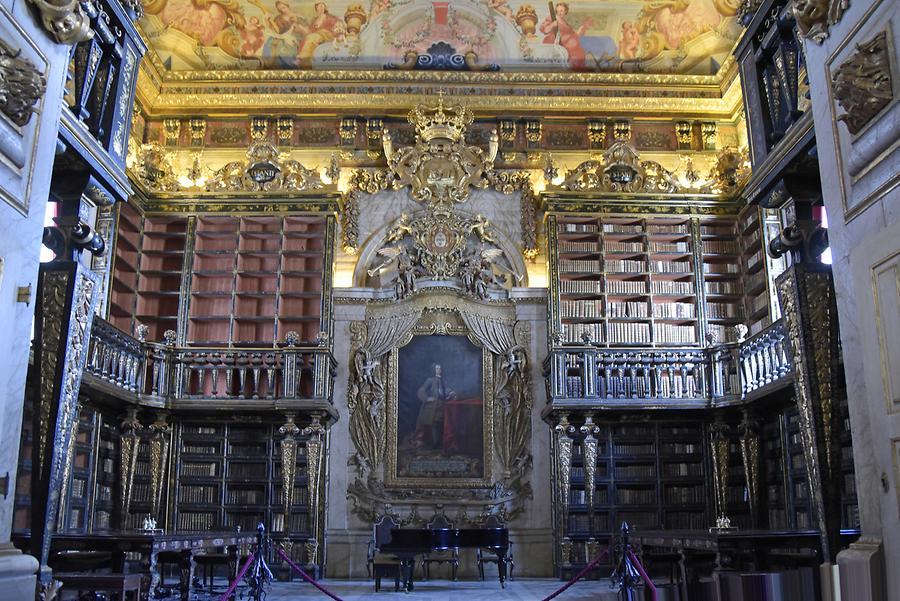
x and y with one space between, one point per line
404 433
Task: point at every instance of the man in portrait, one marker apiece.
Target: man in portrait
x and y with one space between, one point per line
433 393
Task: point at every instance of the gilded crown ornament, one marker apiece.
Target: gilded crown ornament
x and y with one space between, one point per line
440 168
440 122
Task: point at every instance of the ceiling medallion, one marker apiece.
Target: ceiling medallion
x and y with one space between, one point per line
440 168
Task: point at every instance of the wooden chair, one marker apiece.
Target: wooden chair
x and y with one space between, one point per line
379 565
450 556
483 556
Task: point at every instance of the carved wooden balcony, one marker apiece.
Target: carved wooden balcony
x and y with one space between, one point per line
163 375
675 378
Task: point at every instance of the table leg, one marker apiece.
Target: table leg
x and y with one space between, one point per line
501 566
232 566
408 566
154 576
186 568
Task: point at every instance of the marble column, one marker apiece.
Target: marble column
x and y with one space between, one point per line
856 110
27 142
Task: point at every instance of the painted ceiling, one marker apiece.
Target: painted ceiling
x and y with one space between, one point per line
643 36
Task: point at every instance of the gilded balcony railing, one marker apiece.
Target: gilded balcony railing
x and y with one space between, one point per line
668 376
765 358
165 372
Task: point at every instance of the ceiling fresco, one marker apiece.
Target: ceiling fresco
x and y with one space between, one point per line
649 36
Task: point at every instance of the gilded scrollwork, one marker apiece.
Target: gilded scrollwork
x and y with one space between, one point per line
440 168
719 447
153 168
814 17
264 170
289 431
562 433
65 20
21 85
315 454
442 245
589 453
128 446
621 170
159 456
749 433
862 84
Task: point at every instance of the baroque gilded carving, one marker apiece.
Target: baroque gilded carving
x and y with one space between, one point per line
440 168
263 171
562 434
21 85
719 447
153 168
589 454
289 432
620 170
128 447
810 313
508 401
749 432
65 20
443 245
862 84
814 17
315 455
159 456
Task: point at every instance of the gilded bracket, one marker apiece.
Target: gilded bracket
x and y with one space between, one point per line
159 455
128 452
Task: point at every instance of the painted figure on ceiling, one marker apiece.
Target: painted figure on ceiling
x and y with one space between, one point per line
629 41
669 24
557 30
283 42
323 28
209 22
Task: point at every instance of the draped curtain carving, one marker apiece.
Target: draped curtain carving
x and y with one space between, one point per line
512 390
372 341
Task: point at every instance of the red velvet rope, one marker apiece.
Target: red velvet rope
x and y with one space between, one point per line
580 575
306 576
647 581
240 575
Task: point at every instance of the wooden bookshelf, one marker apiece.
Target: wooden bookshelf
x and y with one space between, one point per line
628 281
722 287
756 228
107 487
147 272
229 476
256 278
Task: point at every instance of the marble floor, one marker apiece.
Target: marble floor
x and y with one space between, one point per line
520 589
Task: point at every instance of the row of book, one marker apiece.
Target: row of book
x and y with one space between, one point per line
722 247
246 496
618 246
671 266
196 521
667 333
682 469
721 268
578 496
202 470
578 228
671 287
685 494
636 471
582 286
626 266
198 494
572 332
629 333
722 311
675 228
581 308
673 310
627 449
669 247
579 266
709 229
621 228
200 449
626 286
681 448
620 309
722 287
636 496
578 247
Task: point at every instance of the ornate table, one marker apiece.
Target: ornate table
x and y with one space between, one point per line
151 545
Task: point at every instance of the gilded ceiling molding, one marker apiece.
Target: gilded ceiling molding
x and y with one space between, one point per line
862 84
21 85
65 20
815 17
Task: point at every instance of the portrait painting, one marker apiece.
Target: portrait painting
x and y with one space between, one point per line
441 418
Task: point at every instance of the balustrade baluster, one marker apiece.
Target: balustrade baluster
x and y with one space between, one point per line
270 381
201 377
215 381
242 382
255 390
